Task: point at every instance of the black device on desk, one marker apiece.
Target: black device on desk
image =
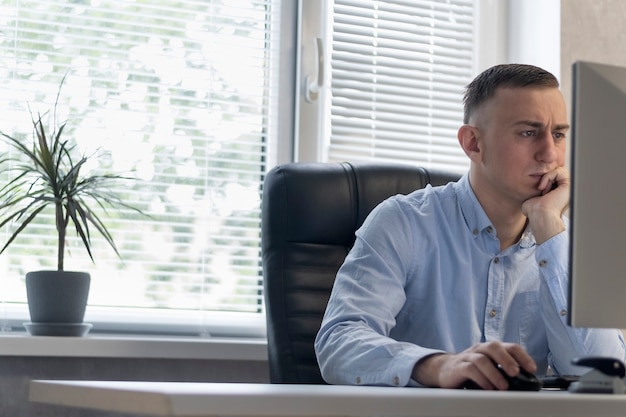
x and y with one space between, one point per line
606 376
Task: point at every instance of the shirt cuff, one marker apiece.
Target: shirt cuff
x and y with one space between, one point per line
401 368
552 256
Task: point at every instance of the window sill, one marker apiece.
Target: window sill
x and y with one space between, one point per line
124 346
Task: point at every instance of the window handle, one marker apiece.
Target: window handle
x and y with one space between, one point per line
313 86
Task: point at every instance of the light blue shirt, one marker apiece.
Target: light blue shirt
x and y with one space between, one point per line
426 275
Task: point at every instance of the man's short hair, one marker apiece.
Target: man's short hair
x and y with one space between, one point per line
484 86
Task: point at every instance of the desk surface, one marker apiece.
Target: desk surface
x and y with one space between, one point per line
184 399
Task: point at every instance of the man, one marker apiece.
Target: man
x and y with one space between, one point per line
447 283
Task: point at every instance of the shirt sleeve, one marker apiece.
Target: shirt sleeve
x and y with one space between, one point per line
566 342
353 345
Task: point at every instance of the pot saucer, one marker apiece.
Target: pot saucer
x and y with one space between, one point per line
57 329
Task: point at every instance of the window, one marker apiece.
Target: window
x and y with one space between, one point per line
183 95
397 70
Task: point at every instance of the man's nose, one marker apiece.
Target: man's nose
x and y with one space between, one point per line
547 151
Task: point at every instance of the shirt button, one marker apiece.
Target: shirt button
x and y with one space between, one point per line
563 312
358 379
496 260
543 263
489 229
492 313
475 232
396 381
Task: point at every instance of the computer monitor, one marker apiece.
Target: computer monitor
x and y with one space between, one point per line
597 293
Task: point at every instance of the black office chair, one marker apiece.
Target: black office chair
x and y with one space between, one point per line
310 212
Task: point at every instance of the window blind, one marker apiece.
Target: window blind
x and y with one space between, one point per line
180 95
399 69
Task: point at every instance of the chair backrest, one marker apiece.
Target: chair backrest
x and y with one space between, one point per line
310 212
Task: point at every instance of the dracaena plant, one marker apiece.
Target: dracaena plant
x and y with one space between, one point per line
45 172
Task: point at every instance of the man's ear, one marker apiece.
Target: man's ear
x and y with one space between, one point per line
469 140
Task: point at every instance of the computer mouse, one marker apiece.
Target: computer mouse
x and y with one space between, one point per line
524 381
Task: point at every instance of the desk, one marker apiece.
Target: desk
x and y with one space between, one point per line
182 399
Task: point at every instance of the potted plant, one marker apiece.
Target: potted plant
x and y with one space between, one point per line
46 173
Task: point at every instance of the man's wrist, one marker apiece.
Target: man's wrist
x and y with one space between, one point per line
545 227
426 370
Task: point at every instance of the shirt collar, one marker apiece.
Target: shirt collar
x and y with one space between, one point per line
475 217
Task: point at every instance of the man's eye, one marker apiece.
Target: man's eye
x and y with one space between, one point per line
528 133
559 135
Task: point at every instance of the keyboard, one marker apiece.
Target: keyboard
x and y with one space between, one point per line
561 382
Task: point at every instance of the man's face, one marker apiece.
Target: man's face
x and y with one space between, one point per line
522 135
